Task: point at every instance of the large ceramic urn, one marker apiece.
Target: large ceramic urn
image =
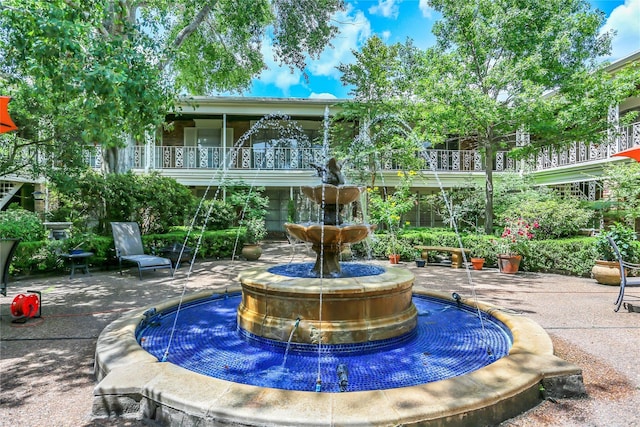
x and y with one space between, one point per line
606 272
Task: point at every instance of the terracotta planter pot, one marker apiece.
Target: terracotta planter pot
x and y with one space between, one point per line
477 263
606 272
394 258
251 252
509 264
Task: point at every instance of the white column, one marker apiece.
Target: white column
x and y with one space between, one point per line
613 133
150 149
224 141
523 138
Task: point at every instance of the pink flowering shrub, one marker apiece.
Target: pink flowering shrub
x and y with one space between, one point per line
516 236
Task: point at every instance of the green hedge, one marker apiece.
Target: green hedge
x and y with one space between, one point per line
42 256
573 256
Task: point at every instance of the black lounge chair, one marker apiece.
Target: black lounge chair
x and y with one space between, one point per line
128 243
625 281
7 248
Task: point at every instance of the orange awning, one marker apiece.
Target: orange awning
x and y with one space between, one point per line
633 153
6 124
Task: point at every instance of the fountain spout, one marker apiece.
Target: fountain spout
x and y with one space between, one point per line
331 173
329 236
343 377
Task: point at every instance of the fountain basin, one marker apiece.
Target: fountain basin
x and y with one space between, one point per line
329 235
332 194
327 242
354 309
133 383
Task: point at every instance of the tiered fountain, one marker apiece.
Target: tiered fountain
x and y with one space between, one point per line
217 358
329 236
343 309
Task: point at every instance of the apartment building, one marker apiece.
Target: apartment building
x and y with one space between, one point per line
274 143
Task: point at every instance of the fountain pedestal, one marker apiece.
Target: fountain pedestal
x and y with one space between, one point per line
331 309
329 236
348 310
327 258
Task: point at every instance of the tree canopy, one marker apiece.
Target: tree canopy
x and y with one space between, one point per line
500 66
104 71
376 126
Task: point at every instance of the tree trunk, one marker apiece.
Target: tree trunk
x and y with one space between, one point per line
109 160
118 159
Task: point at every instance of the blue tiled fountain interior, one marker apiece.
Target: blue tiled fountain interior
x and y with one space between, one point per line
305 270
449 341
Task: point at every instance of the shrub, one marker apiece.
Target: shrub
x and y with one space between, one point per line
43 256
255 230
163 202
220 215
378 246
464 205
564 256
556 218
37 256
213 244
247 202
388 208
21 224
572 256
623 236
153 201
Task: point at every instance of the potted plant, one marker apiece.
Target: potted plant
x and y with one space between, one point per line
607 269
477 263
514 243
417 256
393 249
256 230
387 209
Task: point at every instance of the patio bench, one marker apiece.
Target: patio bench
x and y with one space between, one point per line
456 253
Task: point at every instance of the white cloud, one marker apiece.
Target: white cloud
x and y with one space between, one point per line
386 8
275 74
354 29
323 95
385 35
625 20
425 9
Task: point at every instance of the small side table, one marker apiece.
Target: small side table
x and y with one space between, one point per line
173 253
78 260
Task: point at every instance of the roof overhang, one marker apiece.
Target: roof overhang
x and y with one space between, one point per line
218 105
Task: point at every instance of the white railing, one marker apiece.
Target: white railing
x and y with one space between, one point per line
577 152
180 157
286 158
241 158
177 157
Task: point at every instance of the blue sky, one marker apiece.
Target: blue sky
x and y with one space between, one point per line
394 21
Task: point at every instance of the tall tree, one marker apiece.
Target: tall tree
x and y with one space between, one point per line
376 125
106 72
496 61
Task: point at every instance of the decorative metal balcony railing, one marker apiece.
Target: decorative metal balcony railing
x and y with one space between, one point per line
180 157
576 153
285 158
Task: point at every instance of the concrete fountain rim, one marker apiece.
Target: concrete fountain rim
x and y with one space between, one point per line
135 384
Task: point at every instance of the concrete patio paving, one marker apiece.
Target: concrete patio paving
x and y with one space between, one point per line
46 364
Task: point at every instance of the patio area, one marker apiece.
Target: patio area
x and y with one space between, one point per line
47 363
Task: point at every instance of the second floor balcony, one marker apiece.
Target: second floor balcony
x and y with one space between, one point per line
283 159
186 158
